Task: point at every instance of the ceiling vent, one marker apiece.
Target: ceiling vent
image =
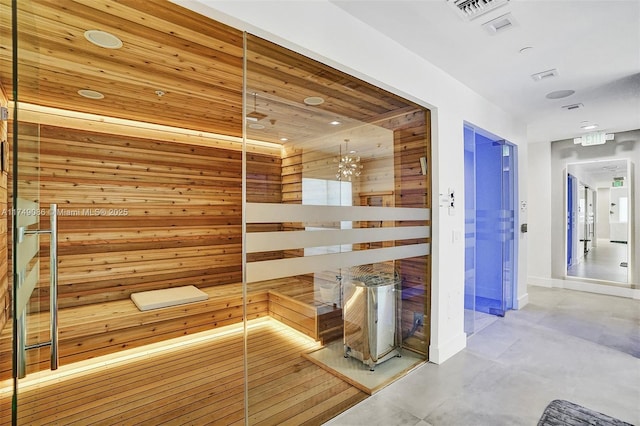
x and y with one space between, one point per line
544 75
572 106
471 9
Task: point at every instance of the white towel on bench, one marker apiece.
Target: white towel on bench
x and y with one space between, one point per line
155 299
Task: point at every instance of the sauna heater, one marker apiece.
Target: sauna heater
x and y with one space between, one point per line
371 308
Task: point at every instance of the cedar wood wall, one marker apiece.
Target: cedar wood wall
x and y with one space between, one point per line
138 214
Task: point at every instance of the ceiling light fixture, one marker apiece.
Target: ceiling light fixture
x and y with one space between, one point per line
589 127
526 49
255 115
572 106
539 76
348 164
314 100
334 123
103 39
499 24
90 94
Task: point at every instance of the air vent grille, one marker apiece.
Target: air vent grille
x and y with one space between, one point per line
572 106
471 9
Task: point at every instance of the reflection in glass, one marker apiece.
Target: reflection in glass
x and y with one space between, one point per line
598 225
346 191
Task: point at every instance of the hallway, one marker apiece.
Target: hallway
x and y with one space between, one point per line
564 344
603 263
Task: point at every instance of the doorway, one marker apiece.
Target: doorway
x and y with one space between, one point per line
598 220
490 220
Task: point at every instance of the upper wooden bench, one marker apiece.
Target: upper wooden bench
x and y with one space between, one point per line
92 330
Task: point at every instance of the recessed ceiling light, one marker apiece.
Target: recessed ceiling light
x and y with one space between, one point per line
91 94
499 24
334 123
545 75
103 39
572 106
559 94
284 139
526 49
589 127
256 126
313 100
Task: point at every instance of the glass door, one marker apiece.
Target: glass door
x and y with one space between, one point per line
33 243
490 217
508 221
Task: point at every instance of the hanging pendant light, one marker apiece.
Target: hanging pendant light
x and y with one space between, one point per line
348 164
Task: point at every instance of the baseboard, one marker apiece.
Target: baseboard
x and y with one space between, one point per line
440 354
541 281
589 287
522 301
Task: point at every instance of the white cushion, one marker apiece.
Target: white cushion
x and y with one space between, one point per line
155 299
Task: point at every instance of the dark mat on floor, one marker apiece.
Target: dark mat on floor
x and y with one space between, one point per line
565 413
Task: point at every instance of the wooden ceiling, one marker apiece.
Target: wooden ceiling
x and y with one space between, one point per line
195 61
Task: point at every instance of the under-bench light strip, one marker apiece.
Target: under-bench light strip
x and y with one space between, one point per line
131 355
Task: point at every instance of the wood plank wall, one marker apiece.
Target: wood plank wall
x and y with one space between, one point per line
140 214
412 140
5 298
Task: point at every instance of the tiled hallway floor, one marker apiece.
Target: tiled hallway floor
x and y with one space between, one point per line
603 263
564 344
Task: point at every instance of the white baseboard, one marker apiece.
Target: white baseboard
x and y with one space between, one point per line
590 287
540 281
522 301
441 353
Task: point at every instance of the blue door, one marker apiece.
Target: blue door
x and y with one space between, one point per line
490 221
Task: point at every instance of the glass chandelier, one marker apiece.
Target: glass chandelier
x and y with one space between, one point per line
349 164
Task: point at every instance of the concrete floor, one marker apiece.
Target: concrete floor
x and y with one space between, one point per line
564 344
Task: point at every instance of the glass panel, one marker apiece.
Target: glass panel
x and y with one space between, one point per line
490 217
337 221
31 342
148 179
470 231
508 220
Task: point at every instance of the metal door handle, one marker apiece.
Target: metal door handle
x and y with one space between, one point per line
53 295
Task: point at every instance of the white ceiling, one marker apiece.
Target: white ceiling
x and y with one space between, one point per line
599 174
593 44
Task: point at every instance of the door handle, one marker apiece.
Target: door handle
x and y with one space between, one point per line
53 296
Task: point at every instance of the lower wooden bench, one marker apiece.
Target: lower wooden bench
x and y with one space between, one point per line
92 330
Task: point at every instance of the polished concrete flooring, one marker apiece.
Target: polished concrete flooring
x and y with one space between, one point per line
581 347
603 263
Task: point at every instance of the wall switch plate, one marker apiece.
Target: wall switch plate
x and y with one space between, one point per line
4 113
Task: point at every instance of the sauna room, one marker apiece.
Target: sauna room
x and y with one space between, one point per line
200 225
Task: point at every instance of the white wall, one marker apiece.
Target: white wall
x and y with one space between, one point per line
602 227
325 32
539 206
548 162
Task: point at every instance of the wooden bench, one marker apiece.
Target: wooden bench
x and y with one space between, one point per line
92 330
